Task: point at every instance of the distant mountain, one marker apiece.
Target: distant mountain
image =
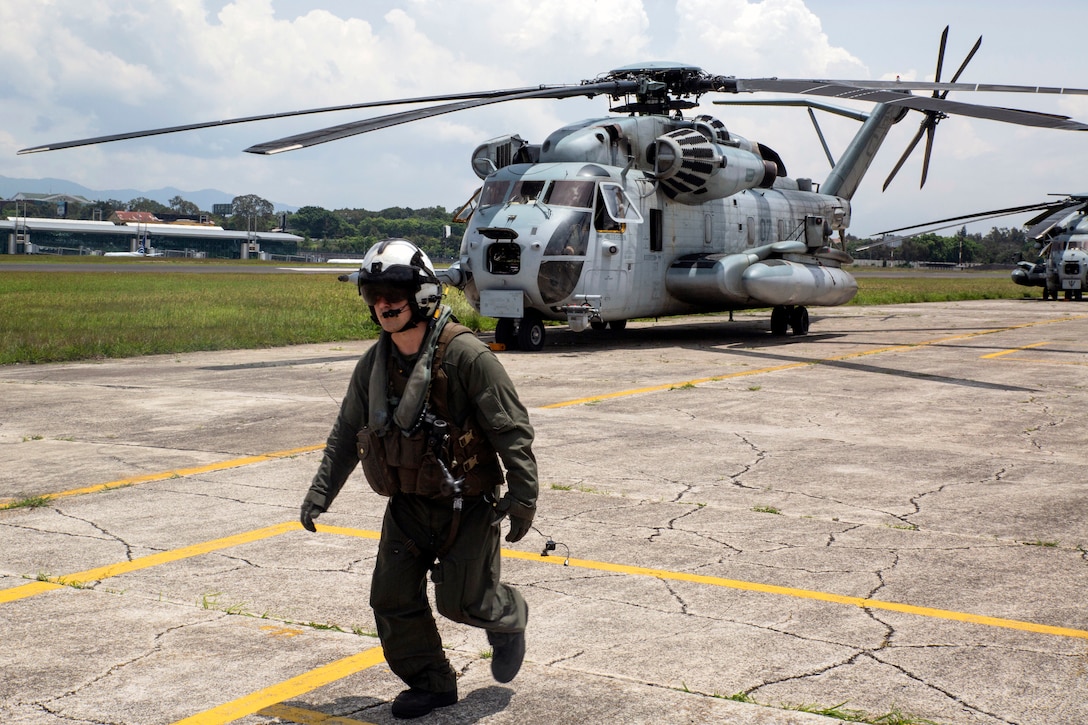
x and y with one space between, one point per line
204 198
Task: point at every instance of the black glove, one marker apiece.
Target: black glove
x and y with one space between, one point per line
310 511
521 517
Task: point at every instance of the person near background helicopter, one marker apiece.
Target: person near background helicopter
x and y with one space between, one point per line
429 413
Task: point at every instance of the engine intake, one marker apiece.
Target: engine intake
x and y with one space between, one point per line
692 169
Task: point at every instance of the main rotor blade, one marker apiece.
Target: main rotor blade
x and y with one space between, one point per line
850 88
977 215
333 133
878 92
1059 207
270 116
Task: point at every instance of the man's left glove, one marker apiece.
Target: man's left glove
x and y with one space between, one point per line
521 517
309 512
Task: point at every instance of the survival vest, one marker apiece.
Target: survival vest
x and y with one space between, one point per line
396 462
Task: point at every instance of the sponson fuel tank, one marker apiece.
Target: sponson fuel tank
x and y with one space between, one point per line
746 279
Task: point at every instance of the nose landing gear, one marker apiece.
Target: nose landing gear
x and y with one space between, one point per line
526 333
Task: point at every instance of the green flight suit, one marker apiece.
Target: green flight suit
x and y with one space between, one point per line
467 585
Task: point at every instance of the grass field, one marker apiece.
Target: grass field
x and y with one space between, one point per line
63 316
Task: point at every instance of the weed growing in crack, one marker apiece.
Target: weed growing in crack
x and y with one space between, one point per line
1039 542
31 502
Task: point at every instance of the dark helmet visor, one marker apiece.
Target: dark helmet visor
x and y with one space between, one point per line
393 294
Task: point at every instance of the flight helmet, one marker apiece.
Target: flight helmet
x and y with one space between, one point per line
396 267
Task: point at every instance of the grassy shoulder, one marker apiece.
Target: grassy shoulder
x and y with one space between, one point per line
64 316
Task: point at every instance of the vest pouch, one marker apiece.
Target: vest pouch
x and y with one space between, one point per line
395 463
379 475
430 479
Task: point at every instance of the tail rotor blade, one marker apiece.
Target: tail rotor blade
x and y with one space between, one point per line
928 126
903 159
940 58
931 127
959 71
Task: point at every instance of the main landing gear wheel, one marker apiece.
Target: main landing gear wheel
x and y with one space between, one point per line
780 321
799 320
531 332
785 317
506 333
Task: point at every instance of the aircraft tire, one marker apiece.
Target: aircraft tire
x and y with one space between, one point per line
799 320
780 321
597 325
531 333
617 325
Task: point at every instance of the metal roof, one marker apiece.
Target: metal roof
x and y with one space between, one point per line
190 231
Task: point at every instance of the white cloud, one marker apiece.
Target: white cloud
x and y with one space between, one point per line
79 68
774 37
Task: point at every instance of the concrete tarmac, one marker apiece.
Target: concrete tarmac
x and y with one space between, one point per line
886 518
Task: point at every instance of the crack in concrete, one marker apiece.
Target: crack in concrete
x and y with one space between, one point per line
49 705
759 455
106 534
886 643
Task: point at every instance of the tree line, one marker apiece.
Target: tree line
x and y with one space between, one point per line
356 230
353 231
998 246
341 231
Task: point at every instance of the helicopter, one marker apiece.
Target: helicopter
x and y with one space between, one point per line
1060 236
648 213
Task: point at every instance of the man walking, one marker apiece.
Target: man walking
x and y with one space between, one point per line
430 412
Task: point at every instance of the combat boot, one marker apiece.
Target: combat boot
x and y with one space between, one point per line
507 653
417 703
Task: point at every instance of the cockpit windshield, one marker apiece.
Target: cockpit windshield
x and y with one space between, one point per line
525 192
570 193
494 192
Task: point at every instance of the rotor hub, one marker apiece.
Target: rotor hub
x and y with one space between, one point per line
660 87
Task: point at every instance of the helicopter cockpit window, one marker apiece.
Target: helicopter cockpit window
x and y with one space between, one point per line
571 236
614 209
525 192
494 192
570 193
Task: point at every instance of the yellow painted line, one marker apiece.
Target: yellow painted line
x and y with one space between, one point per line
670 386
803 594
344 531
27 590
308 717
166 557
269 531
1002 353
306 682
181 472
804 363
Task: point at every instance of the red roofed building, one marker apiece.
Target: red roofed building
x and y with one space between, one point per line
134 217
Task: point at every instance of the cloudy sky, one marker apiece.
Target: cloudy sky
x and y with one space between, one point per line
79 68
